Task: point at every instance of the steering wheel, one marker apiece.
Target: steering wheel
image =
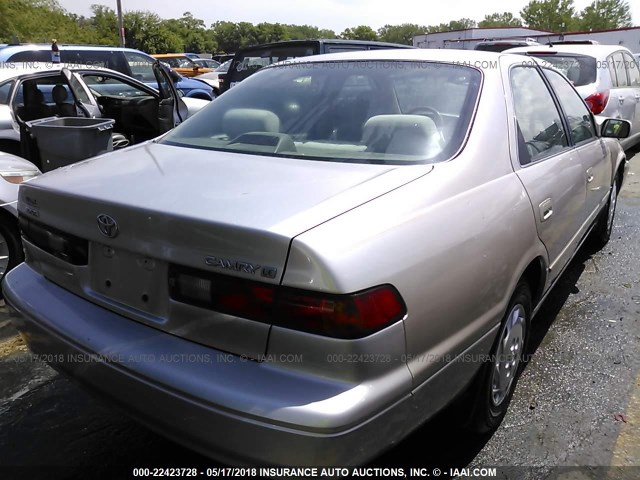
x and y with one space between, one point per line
430 112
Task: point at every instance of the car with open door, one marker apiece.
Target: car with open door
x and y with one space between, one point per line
127 61
40 91
328 254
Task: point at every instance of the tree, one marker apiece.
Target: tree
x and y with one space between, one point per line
146 31
400 33
604 14
505 19
549 15
192 31
361 32
105 24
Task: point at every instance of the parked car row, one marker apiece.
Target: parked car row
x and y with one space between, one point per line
336 251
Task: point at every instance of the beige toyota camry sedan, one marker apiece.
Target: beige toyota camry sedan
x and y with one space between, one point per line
325 256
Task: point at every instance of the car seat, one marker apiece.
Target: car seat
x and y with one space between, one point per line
60 96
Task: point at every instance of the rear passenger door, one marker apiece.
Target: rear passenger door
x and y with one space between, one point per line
622 94
590 148
548 167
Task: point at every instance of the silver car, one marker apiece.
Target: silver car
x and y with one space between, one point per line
607 77
323 257
13 171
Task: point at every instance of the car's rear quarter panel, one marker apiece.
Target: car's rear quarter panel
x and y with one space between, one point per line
454 242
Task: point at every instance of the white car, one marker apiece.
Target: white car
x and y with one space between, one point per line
13 171
212 78
606 76
38 90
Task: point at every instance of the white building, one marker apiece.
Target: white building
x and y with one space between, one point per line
467 39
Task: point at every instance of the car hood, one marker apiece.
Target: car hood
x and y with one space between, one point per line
209 76
186 83
182 204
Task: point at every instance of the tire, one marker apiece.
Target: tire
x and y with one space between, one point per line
601 233
499 375
11 252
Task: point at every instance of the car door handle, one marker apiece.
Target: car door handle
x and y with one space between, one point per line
546 210
637 98
589 173
621 100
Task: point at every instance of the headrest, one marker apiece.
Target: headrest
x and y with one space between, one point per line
59 94
400 134
243 120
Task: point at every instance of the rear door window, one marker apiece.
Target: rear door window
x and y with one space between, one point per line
632 70
578 116
540 130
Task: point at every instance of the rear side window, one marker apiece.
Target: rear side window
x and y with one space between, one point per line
579 69
31 56
621 69
632 69
96 58
540 131
141 66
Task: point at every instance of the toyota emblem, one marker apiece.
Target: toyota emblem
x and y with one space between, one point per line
107 225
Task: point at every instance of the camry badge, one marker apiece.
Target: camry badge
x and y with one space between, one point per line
107 225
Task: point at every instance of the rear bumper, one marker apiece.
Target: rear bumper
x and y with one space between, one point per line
235 411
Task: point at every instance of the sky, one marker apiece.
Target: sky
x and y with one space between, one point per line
332 14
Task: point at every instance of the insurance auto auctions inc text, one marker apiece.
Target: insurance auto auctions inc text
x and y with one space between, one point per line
376 472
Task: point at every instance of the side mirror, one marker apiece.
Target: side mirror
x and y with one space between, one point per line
615 128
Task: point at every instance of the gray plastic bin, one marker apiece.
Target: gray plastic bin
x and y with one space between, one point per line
66 140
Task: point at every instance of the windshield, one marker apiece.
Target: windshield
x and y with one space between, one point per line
250 61
375 112
225 66
580 69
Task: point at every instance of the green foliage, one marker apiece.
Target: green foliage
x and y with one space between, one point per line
42 20
505 19
604 14
461 24
550 15
401 33
361 32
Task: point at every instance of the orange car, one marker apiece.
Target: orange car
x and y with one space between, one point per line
182 64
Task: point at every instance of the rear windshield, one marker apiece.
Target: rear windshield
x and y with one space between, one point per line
250 61
580 69
497 47
350 111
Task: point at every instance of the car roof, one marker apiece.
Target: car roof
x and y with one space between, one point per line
591 50
11 49
440 55
169 55
20 69
322 40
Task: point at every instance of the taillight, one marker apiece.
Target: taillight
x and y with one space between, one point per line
598 101
69 248
347 316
